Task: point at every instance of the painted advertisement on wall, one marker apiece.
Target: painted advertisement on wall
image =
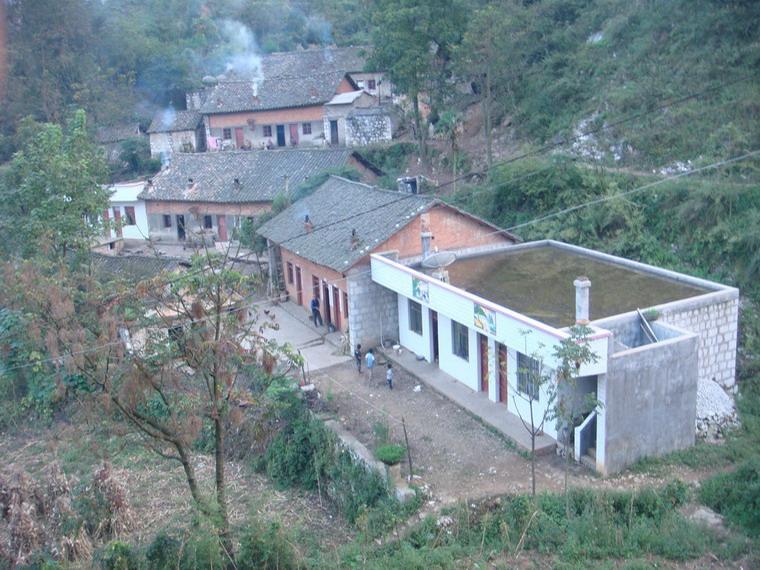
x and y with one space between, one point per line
420 290
485 319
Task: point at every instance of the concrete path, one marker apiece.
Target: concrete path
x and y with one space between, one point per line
476 403
318 349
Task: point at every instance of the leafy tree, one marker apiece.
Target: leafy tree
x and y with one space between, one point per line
413 40
53 193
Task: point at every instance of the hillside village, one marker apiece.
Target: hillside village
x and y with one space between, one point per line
331 306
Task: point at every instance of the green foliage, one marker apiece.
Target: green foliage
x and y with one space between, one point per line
117 555
53 185
135 154
265 547
202 550
162 553
390 453
736 495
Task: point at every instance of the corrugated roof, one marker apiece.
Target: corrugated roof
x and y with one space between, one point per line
335 209
345 98
260 174
170 121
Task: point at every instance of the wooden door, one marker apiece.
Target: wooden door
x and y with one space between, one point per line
239 140
326 303
336 306
106 224
483 344
434 329
117 221
315 286
293 134
280 135
180 227
299 286
221 226
502 372
334 132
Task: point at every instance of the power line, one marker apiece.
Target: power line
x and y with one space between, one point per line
550 146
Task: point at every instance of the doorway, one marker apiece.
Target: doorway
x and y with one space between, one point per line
293 135
502 351
336 303
299 286
180 227
239 140
315 287
221 227
280 135
483 345
326 302
434 336
334 132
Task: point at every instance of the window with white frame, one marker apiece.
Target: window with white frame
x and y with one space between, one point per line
528 375
460 344
415 317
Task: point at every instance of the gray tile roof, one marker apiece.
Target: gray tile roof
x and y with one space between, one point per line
260 174
117 133
305 62
335 209
131 268
170 121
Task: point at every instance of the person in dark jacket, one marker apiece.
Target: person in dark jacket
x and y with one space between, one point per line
358 357
315 312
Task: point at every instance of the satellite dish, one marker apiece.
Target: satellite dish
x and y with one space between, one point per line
439 259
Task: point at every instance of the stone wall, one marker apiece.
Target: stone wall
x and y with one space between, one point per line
362 130
715 319
372 310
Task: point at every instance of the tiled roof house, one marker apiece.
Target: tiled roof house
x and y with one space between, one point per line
327 255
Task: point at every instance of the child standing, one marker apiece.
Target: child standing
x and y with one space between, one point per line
370 361
389 376
358 357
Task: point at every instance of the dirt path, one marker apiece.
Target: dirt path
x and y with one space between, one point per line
455 456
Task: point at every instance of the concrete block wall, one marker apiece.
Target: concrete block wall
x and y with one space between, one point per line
372 310
362 130
715 319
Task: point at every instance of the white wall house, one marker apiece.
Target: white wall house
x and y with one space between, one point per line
126 212
647 372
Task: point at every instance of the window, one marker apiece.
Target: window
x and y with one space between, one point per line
415 317
371 85
227 134
129 214
306 128
207 223
167 221
290 273
267 130
528 371
460 344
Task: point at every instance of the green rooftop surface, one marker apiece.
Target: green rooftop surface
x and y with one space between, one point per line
538 282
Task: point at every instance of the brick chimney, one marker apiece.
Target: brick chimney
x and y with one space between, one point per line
426 237
238 187
582 300
354 239
307 225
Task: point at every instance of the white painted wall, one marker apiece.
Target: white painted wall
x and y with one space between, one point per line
418 344
138 231
466 371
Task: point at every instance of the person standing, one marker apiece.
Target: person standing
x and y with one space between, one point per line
358 357
316 315
389 376
370 362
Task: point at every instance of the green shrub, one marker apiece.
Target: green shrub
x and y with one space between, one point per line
736 495
298 454
162 553
353 487
202 551
390 453
265 548
117 555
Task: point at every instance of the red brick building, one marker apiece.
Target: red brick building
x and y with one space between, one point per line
327 254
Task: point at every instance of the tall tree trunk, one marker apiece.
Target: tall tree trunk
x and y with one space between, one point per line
221 496
487 119
421 132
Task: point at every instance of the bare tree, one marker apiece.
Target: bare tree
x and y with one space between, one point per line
193 338
534 383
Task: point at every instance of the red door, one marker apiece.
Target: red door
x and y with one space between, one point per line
326 303
293 135
117 220
106 224
239 140
502 372
483 343
221 224
336 306
299 286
